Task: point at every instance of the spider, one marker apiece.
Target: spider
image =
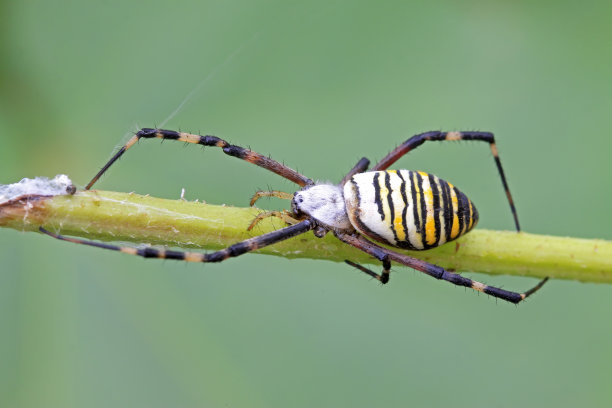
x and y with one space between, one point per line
401 208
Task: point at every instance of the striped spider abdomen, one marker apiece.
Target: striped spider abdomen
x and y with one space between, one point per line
408 209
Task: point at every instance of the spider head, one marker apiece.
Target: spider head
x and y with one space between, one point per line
296 202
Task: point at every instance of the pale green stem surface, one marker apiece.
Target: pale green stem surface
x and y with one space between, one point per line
110 216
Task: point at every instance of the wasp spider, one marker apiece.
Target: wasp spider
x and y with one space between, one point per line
402 208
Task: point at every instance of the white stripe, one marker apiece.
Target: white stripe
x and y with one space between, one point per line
396 197
368 212
413 237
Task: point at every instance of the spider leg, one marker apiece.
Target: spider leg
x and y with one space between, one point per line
273 193
382 278
436 271
373 250
231 150
360 167
218 256
283 215
417 140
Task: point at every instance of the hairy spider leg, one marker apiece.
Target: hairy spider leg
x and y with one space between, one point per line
229 149
232 251
272 193
284 215
417 140
432 270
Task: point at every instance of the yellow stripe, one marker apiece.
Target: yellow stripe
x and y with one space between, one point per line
399 209
399 228
471 214
430 226
455 229
419 235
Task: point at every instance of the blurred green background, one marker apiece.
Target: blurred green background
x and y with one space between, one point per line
317 85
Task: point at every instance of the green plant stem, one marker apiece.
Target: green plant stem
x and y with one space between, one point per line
110 216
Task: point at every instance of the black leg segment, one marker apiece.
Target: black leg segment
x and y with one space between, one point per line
382 278
360 167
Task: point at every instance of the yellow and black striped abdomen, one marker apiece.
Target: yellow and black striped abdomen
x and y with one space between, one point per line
408 209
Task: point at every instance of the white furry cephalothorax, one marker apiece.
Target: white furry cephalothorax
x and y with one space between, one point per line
324 203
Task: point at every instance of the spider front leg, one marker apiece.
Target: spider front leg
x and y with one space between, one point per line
284 215
232 251
436 271
229 149
272 193
417 140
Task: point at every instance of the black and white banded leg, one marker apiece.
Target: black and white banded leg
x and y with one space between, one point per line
229 149
232 251
433 270
417 140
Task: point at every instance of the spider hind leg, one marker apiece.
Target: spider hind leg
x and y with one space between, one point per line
382 278
434 271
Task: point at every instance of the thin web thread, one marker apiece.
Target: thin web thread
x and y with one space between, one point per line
191 94
208 77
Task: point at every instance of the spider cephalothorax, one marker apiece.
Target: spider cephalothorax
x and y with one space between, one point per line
401 208
324 203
